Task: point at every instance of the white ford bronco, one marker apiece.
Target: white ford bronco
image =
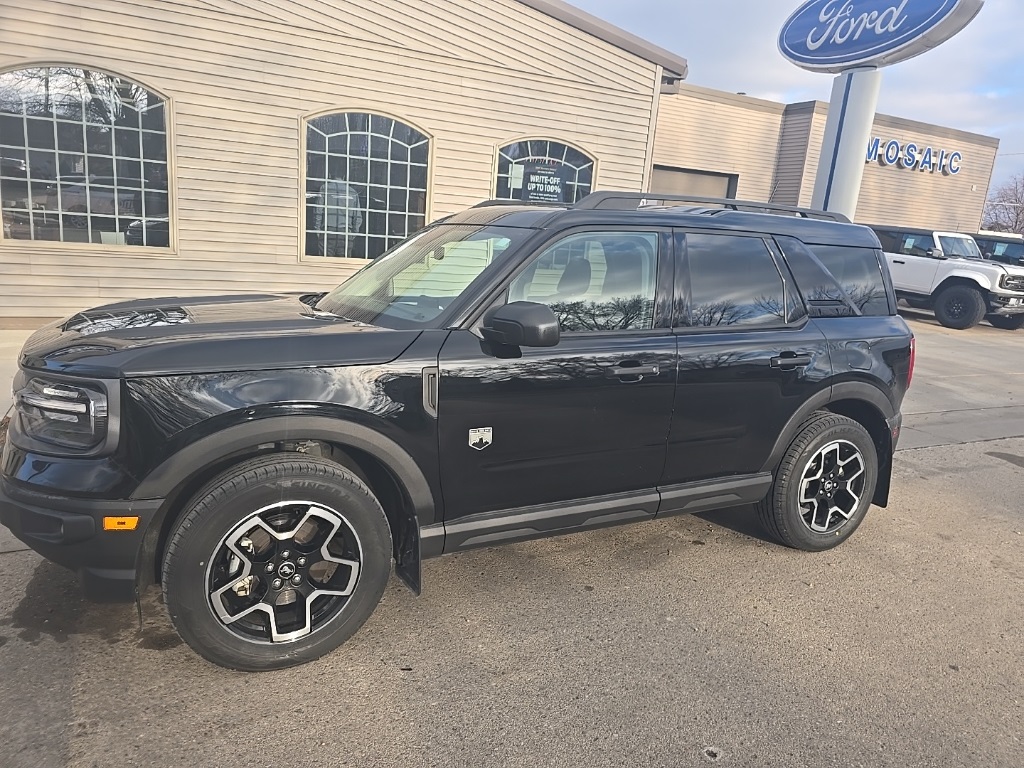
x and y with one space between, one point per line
946 272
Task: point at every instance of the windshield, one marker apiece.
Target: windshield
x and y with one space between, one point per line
413 283
959 247
1008 253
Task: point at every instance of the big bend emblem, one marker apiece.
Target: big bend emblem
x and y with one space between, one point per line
480 437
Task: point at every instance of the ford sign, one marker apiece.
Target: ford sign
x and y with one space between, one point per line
836 35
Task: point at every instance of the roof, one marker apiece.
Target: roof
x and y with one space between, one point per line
675 66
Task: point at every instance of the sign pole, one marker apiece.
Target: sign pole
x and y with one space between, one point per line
851 115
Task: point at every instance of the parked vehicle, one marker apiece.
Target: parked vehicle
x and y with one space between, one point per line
516 371
946 272
1004 248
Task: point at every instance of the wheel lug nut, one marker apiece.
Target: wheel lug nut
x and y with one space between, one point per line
296 580
302 561
270 567
286 554
277 584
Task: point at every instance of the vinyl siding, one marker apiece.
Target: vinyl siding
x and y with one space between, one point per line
704 130
240 77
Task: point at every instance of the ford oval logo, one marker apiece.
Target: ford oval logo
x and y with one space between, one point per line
835 35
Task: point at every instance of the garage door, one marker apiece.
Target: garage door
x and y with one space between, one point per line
677 181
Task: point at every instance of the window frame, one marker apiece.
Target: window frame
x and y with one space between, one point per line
683 288
501 146
356 108
172 249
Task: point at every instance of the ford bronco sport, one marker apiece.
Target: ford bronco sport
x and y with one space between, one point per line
512 372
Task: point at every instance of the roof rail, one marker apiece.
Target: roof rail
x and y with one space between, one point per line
600 200
534 203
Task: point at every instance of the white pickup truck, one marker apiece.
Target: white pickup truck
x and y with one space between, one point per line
946 272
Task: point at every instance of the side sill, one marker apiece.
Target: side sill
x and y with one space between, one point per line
689 498
525 523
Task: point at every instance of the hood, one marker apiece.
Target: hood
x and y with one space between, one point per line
208 334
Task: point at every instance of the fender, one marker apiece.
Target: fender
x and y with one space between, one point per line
982 279
847 390
169 475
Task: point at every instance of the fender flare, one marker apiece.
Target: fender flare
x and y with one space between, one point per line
847 390
162 481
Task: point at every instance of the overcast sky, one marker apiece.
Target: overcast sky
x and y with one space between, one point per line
974 82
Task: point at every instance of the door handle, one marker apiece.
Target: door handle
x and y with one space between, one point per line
790 361
631 369
897 261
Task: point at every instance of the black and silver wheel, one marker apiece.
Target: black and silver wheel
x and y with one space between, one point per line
1007 322
824 484
960 307
276 563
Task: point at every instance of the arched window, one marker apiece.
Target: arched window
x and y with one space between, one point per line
366 184
543 170
83 158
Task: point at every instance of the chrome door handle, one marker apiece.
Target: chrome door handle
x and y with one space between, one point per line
629 369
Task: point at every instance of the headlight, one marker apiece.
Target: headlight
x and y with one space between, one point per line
61 414
1013 282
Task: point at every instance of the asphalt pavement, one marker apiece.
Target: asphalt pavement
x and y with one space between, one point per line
684 642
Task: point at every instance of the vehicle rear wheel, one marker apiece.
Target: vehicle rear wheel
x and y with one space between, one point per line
823 486
1007 323
276 562
960 307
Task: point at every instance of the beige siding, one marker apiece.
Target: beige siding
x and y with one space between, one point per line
705 130
895 195
240 76
803 127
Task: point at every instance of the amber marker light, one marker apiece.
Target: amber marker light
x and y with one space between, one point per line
120 523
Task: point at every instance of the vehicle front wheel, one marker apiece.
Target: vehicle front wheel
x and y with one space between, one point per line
1007 322
276 562
960 307
823 486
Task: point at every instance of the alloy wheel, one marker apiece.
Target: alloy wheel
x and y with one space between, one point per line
832 486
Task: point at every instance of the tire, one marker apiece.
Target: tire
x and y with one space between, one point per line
960 307
1007 323
255 542
826 444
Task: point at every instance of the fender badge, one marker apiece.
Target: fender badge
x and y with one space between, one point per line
480 437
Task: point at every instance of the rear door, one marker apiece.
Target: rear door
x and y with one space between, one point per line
749 357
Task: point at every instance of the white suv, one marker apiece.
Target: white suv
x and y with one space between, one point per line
946 272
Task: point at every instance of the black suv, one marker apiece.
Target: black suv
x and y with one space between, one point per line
512 372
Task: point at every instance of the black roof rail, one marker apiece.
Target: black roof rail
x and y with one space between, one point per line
599 200
534 203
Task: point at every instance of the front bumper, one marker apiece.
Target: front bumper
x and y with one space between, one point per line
1007 305
69 531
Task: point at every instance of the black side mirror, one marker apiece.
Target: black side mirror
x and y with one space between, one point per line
522 324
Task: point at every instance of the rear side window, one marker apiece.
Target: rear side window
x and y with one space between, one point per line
836 279
889 238
734 282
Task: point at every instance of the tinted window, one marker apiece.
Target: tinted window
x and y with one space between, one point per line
1008 253
596 281
889 238
916 245
733 282
859 274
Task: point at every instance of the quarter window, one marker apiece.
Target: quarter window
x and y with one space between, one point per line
366 184
83 158
858 273
597 281
542 170
734 281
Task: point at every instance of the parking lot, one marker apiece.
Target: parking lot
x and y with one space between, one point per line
684 642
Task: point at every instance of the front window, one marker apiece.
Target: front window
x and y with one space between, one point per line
366 184
412 285
959 247
543 171
83 158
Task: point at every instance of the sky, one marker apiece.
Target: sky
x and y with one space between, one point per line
974 82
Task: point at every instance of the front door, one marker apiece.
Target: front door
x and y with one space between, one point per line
912 269
587 418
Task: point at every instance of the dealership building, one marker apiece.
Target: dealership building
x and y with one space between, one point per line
212 146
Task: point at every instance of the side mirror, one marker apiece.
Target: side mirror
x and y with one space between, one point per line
936 253
522 324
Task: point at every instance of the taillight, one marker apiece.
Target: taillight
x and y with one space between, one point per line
913 360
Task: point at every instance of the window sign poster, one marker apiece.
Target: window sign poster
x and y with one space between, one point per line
544 183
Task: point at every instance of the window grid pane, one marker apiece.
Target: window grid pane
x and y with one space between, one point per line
366 184
84 156
572 170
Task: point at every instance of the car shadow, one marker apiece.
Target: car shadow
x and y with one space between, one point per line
742 520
